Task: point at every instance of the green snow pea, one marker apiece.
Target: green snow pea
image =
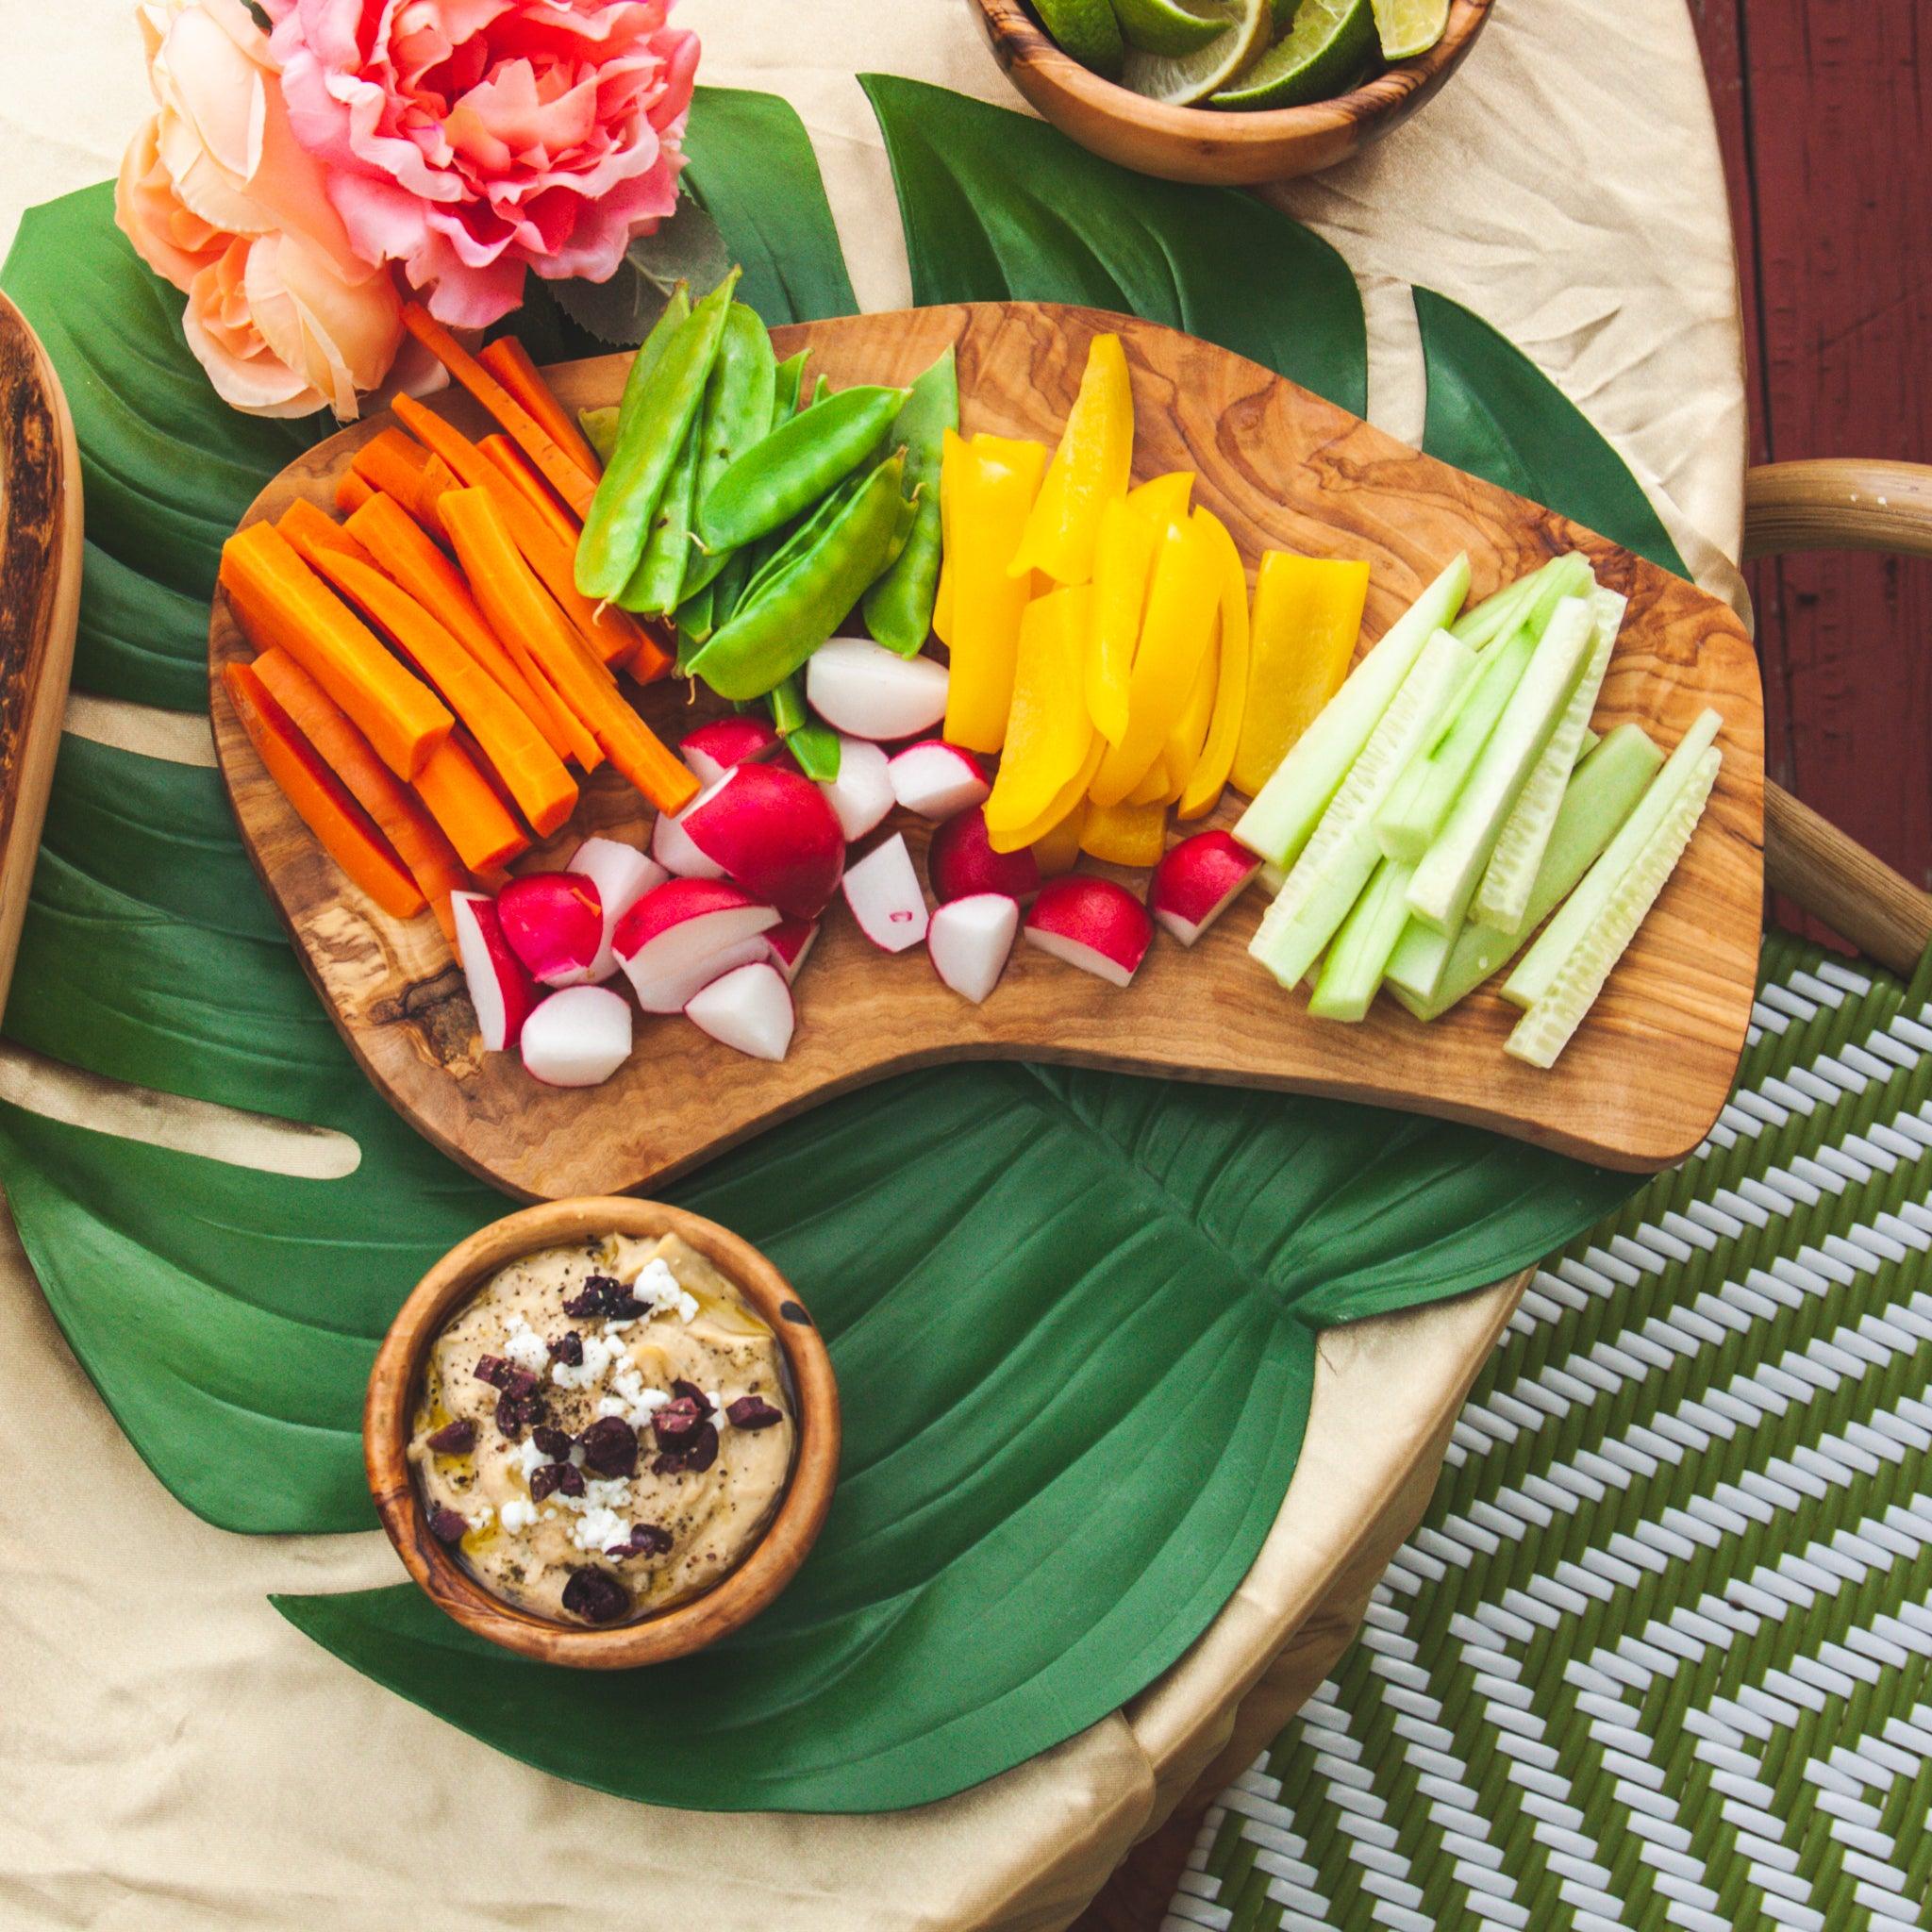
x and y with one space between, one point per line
767 641
600 425
788 547
654 585
739 410
656 415
790 380
898 608
796 464
815 746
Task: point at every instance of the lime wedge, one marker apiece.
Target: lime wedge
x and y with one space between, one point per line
1182 79
1164 26
1322 53
1086 30
1409 28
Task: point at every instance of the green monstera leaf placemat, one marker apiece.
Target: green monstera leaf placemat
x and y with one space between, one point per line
1073 1314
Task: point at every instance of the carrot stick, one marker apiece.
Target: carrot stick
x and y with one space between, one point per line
479 825
417 837
281 601
400 465
352 492
611 632
534 775
311 528
508 360
542 498
559 470
346 833
404 553
516 603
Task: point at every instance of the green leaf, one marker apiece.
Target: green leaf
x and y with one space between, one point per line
999 205
1492 411
685 249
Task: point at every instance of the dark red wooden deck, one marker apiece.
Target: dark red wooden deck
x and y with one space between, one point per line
1824 110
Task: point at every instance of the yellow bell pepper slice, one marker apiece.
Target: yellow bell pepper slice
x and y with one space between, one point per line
1048 731
1126 833
1182 752
1058 848
1183 603
1163 500
1152 789
1089 469
1122 562
1070 798
1307 620
1209 773
992 481
942 596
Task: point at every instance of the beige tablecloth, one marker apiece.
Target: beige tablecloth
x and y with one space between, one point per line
173 1755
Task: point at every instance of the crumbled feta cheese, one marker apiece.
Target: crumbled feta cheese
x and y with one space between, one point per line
524 1345
597 1530
657 1288
529 1458
599 1352
519 1513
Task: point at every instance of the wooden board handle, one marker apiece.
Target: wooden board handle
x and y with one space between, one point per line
1841 503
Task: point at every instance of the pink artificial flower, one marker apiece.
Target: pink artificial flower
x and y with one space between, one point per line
217 196
471 140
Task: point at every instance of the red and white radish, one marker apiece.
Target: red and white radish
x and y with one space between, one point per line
787 945
622 875
501 990
553 923
1091 924
960 861
1197 881
685 933
773 832
883 892
969 939
578 1037
861 688
938 781
670 844
713 749
749 1007
861 794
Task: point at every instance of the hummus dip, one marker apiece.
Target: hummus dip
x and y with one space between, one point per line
603 1430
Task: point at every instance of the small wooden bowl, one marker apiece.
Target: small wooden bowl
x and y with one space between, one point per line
1221 148
397 1376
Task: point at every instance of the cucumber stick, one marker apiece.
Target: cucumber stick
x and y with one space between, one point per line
1545 1029
1420 804
1536 970
1527 600
1502 900
1286 810
1353 969
1337 859
1445 879
1602 793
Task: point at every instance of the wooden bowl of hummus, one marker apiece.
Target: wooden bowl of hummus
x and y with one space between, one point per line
602 1432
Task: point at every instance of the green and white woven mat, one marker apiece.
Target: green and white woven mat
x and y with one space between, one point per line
1661 1653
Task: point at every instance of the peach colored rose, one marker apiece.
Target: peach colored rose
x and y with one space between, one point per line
471 140
217 195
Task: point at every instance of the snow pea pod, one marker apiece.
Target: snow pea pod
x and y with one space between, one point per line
656 415
815 746
790 380
796 464
898 608
767 641
600 425
739 408
654 585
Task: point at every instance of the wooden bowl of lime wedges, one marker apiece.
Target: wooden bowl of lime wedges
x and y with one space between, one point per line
1231 93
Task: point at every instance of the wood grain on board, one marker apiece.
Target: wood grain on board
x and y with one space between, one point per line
1639 1085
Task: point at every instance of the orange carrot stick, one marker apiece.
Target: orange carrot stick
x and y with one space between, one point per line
515 601
281 601
479 825
345 830
311 528
418 840
352 492
404 552
557 469
508 360
533 773
400 465
542 498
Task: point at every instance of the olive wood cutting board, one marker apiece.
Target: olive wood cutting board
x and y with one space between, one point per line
1640 1085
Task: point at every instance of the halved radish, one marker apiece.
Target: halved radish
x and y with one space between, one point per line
961 861
1091 924
578 1037
787 945
749 1007
553 923
670 844
860 687
883 892
774 832
938 781
712 749
861 794
684 933
1197 881
501 990
622 875
969 939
